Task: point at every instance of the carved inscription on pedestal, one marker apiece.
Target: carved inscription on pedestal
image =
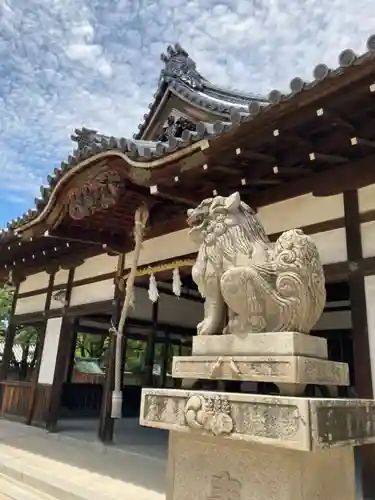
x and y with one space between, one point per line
224 487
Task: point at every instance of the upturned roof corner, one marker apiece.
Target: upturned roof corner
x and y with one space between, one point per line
181 78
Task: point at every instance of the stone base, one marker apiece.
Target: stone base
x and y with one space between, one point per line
206 468
261 344
305 424
283 371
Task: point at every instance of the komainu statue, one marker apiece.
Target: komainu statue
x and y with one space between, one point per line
251 285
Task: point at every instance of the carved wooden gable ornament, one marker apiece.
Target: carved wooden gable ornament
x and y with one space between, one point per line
95 191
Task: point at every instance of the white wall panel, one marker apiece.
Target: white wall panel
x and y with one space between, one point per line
33 282
27 305
300 211
366 198
61 277
368 238
171 245
94 292
95 266
331 246
49 354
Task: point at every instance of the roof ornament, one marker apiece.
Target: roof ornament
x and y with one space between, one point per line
179 65
86 138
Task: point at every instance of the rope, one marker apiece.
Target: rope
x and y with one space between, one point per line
140 221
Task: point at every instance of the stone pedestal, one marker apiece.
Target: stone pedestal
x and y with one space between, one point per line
289 360
210 469
253 447
235 446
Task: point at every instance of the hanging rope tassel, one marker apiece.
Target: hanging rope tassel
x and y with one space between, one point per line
153 293
176 282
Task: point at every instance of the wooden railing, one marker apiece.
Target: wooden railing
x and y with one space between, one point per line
15 398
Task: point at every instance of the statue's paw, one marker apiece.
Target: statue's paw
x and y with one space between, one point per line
204 328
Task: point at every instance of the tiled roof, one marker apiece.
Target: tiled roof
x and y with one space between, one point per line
181 77
90 142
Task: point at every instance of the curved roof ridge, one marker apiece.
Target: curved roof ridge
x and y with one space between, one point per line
181 75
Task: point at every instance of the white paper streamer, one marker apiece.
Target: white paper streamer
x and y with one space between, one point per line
176 282
153 293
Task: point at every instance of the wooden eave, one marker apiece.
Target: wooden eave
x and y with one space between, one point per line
320 140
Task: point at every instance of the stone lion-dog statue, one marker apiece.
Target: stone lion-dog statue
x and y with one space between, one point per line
250 284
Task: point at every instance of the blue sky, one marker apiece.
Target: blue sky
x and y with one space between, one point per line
95 63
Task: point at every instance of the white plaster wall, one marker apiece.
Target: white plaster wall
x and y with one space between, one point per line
171 245
55 304
366 198
35 303
370 305
61 277
93 292
49 354
300 211
331 246
95 266
368 238
34 282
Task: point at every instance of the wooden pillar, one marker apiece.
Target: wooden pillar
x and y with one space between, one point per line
64 349
9 338
106 422
70 367
150 348
362 364
40 346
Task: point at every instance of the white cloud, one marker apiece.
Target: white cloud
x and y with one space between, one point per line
95 63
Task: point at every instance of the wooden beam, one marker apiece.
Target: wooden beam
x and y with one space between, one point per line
327 158
352 175
254 155
108 242
175 194
362 365
334 119
357 141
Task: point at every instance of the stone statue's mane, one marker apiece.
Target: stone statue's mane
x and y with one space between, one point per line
229 228
242 230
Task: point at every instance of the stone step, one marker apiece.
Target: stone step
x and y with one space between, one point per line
63 481
11 489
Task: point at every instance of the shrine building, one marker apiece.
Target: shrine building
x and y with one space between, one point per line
302 159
